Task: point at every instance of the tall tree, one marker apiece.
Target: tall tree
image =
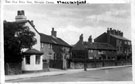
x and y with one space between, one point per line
16 37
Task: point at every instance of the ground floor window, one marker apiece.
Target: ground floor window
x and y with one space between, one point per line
90 57
27 59
37 59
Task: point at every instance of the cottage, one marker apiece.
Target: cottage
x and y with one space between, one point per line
32 60
56 51
28 63
32 57
83 52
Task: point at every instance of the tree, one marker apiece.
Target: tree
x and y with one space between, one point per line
16 37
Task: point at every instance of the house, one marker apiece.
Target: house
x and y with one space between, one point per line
87 51
32 59
116 39
56 51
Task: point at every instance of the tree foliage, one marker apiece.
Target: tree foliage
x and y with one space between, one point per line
16 37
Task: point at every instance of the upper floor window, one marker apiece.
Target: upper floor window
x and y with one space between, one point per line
120 42
50 46
125 42
100 52
129 43
90 51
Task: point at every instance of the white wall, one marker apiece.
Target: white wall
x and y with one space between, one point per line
32 66
37 36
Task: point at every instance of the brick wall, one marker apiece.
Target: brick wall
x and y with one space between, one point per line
98 63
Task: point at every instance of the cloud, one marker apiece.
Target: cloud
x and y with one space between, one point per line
72 20
71 33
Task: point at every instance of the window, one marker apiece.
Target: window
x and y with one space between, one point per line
27 59
90 57
37 59
129 43
125 42
100 52
50 46
90 51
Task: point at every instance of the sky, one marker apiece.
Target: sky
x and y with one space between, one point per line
70 21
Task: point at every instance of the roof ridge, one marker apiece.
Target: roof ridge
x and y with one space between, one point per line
50 39
119 37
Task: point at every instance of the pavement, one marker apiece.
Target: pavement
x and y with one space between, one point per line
56 72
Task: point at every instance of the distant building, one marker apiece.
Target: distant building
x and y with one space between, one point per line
116 39
82 51
56 51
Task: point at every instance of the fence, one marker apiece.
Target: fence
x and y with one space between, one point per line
56 64
98 63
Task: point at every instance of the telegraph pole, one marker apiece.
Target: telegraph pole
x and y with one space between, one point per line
85 63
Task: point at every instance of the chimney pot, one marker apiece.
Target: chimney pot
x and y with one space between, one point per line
81 37
122 34
90 39
111 30
20 15
53 32
108 31
115 32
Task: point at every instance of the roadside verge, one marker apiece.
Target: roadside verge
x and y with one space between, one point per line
58 72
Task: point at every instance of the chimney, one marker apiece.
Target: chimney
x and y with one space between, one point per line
81 38
122 34
20 15
90 39
113 31
32 22
117 33
53 33
108 31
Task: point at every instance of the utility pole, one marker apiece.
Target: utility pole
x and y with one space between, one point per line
85 63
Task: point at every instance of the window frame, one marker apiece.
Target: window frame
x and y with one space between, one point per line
27 60
37 59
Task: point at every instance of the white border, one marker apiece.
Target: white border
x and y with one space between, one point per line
2 78
88 1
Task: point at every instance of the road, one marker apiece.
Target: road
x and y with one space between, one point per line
117 74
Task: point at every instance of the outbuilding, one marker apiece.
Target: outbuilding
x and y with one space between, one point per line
32 60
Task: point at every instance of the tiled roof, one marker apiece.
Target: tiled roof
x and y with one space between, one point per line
95 45
119 37
78 46
32 51
100 46
53 40
25 21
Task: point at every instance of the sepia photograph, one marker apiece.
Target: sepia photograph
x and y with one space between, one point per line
67 42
